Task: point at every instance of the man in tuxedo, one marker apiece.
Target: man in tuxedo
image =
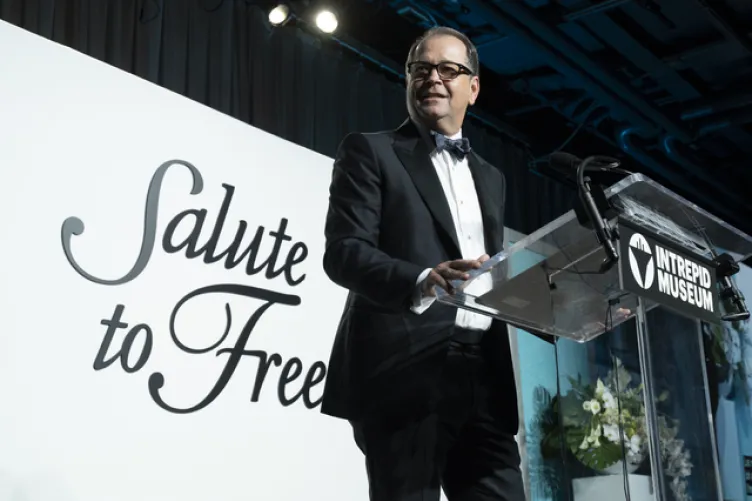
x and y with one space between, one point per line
429 389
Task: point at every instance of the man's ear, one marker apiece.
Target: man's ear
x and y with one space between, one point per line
474 89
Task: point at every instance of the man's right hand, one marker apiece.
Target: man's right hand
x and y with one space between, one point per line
444 273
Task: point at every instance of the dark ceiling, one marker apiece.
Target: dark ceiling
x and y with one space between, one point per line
666 85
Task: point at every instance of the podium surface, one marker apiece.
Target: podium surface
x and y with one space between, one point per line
567 294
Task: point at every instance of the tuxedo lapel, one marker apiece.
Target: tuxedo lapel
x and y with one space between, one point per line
489 201
414 154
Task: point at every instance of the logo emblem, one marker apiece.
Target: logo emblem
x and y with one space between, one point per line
641 261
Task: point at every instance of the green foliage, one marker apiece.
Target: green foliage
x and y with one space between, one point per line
600 458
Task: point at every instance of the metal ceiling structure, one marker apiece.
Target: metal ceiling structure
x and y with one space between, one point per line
664 84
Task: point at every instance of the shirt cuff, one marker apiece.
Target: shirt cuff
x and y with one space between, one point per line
421 302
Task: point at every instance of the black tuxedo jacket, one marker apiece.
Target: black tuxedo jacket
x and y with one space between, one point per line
389 220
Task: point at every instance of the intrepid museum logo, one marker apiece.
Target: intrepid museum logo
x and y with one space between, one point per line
641 261
659 268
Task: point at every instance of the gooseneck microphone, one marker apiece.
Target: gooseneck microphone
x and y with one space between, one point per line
562 161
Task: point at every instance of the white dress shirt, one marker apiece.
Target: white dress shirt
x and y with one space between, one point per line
459 189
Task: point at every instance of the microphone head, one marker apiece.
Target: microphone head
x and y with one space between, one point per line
562 168
562 159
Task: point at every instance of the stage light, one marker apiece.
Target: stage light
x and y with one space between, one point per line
279 14
326 21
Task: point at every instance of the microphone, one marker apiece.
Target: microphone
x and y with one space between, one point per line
561 167
568 164
563 160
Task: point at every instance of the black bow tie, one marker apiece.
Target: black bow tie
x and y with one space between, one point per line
457 147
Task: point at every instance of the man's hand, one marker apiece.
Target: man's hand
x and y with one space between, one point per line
444 273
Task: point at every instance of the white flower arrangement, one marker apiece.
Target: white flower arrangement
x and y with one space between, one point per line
604 424
605 409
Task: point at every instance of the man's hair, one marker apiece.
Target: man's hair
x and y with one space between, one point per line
472 51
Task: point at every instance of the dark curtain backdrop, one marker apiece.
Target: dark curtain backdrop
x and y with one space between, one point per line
224 54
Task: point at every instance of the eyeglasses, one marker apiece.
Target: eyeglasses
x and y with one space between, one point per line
447 70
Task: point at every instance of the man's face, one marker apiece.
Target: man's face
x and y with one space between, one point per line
440 99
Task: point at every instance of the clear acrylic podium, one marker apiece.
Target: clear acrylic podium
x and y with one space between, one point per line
566 295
